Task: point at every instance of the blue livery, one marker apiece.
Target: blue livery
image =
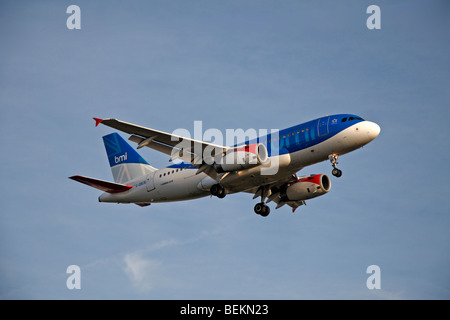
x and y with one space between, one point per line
119 151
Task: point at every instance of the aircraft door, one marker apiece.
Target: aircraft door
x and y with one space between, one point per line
150 182
322 126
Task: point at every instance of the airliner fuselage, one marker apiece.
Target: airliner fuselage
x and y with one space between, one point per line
288 151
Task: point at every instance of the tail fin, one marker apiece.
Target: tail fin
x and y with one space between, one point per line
126 164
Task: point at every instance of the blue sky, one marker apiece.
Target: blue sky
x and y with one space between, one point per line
230 64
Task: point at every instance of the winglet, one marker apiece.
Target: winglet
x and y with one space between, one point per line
97 121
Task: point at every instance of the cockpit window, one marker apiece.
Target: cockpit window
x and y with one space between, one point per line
351 119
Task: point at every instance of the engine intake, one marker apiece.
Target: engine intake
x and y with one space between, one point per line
307 188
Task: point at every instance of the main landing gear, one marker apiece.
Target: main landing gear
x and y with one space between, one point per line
333 159
218 191
261 208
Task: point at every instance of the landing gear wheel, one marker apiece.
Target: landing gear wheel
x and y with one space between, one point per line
336 172
262 209
215 189
266 211
259 208
221 193
218 191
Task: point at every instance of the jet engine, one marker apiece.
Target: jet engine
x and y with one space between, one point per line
306 188
243 157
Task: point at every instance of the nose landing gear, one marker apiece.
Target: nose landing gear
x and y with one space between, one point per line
333 159
336 172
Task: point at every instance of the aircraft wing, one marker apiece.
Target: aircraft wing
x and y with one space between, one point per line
177 147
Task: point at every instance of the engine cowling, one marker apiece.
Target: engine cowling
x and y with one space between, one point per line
307 188
243 157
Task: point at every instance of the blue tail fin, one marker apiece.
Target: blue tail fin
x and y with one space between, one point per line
126 164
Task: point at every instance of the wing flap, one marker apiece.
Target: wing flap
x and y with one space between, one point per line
153 144
103 185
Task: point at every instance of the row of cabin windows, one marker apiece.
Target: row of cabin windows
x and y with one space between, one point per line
173 171
285 140
293 134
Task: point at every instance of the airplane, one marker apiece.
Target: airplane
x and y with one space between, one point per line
265 166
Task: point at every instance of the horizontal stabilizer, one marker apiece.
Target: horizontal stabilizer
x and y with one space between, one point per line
105 186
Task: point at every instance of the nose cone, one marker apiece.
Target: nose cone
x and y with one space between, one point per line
372 129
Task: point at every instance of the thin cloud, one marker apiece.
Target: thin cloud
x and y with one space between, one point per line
142 272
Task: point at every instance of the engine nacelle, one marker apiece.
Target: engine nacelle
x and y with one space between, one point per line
307 188
243 157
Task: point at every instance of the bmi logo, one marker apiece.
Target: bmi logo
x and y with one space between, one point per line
121 158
